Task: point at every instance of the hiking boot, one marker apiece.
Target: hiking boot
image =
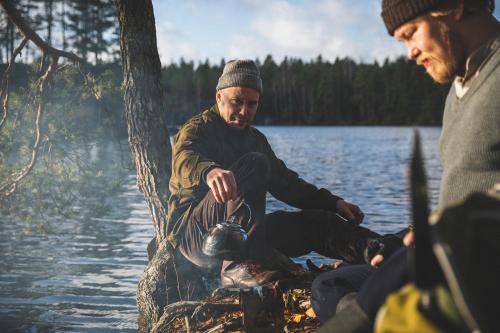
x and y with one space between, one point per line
350 319
247 274
346 300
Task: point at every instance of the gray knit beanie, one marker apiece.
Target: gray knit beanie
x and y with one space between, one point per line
240 73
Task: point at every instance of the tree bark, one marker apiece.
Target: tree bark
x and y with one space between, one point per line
145 107
150 144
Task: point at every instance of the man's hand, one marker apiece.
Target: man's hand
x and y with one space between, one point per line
377 260
407 241
350 211
222 184
409 238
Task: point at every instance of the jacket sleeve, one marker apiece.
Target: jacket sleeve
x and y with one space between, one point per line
286 185
190 160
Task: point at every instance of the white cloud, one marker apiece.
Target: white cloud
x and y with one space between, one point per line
288 26
332 28
357 30
173 44
256 28
245 47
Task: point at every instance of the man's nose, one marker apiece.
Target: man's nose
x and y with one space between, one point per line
413 52
244 109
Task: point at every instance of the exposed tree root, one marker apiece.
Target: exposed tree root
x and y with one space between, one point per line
195 310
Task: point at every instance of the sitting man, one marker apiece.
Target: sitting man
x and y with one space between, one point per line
222 169
454 40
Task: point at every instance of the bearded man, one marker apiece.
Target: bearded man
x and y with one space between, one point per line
454 40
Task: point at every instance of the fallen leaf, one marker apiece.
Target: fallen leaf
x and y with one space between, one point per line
296 294
310 313
305 304
296 318
333 265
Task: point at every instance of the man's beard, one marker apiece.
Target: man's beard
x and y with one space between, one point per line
445 73
235 117
451 65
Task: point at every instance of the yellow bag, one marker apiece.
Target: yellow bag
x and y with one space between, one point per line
400 312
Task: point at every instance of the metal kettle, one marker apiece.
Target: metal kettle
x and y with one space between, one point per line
226 240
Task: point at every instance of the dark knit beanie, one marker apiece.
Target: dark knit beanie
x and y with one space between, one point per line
240 73
397 12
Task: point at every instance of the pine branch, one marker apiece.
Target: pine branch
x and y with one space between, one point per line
9 186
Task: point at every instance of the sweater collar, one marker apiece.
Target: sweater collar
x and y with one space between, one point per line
475 62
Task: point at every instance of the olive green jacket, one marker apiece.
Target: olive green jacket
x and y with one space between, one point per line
206 141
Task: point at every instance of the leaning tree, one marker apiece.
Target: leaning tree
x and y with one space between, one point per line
163 281
149 141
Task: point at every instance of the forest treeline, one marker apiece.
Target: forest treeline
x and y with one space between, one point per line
296 92
318 92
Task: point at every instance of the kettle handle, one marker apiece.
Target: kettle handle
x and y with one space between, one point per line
232 218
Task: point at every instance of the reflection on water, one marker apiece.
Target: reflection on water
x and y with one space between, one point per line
82 276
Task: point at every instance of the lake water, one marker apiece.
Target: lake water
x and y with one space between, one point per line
81 276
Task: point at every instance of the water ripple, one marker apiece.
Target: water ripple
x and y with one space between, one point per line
82 276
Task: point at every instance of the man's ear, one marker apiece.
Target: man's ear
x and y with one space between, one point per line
218 96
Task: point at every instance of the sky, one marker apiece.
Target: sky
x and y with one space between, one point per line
214 29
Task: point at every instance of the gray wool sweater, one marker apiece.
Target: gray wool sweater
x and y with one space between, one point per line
470 138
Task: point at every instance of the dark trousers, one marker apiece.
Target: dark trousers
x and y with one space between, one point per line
293 233
372 284
329 287
391 276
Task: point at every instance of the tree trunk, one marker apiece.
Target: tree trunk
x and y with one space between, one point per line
63 25
145 107
149 141
49 11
